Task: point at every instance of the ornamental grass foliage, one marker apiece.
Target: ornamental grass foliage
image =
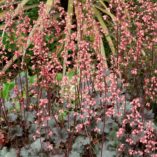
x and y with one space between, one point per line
78 78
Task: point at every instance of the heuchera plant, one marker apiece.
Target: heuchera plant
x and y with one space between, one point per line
79 82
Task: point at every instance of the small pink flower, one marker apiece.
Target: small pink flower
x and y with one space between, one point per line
134 72
43 102
79 127
17 53
120 133
97 130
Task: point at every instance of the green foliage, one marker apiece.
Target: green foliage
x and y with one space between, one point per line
106 152
7 87
78 146
60 136
71 74
32 79
33 150
33 14
59 76
8 45
8 152
30 116
12 117
62 115
16 131
33 2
